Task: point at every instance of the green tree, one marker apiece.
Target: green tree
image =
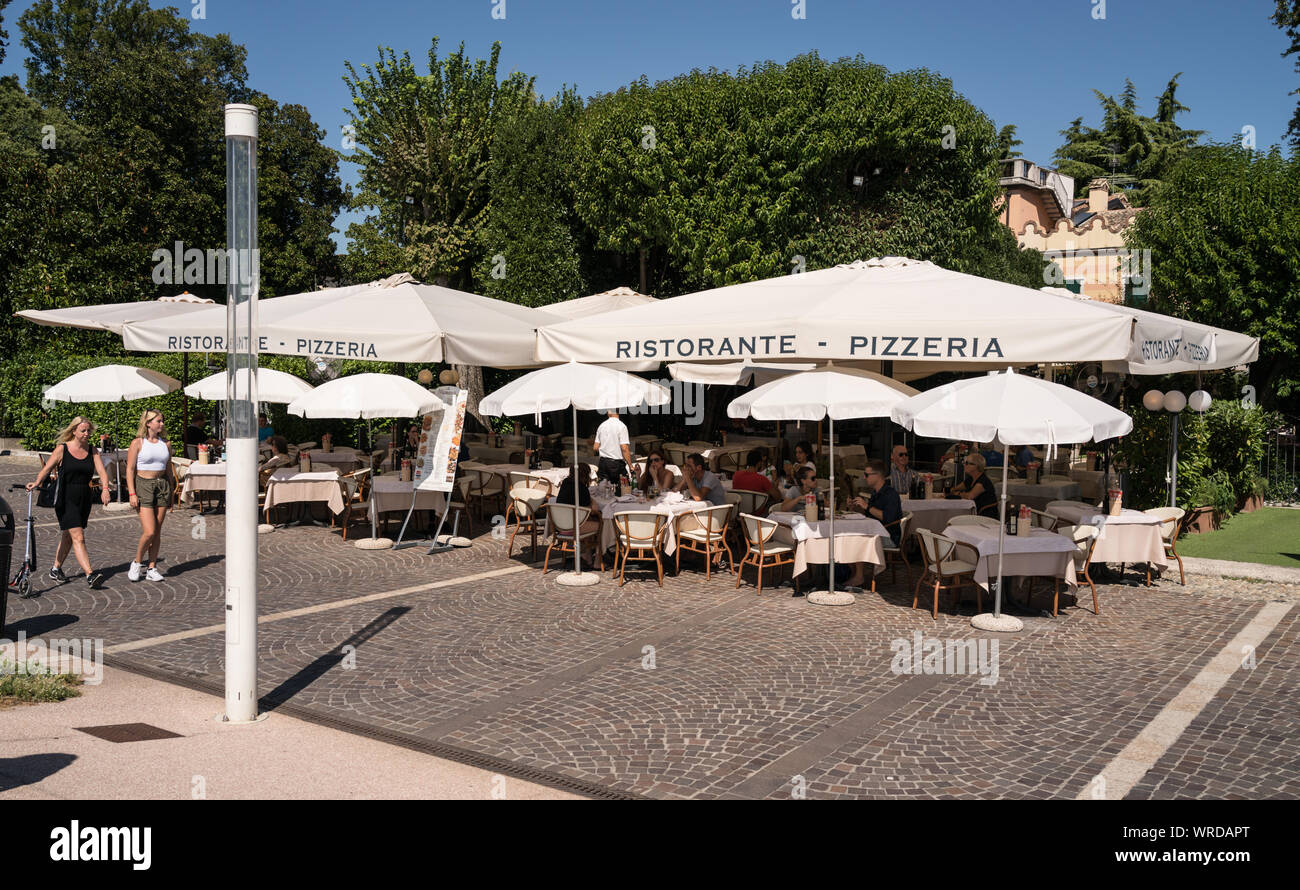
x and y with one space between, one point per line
1287 17
1135 152
1007 142
1224 236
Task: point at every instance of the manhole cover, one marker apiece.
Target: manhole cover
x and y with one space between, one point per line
128 732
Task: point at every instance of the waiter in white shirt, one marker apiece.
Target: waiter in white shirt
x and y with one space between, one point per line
611 446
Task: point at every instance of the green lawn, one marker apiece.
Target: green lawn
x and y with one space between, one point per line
1270 536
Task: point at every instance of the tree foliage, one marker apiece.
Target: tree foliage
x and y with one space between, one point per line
1224 236
1135 152
1287 17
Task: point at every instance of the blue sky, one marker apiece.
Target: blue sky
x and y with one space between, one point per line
1033 64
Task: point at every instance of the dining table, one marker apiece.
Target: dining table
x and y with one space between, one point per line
345 460
392 494
202 477
1092 484
934 514
858 538
1130 537
1039 494
1039 553
288 486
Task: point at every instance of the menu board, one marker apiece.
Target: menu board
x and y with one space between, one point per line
439 448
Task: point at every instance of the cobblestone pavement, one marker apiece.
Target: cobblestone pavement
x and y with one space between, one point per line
703 690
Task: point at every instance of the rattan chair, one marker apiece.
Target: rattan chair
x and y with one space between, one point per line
896 552
564 532
1048 521
939 554
639 533
985 521
1171 526
759 547
709 537
528 494
485 486
1085 539
356 499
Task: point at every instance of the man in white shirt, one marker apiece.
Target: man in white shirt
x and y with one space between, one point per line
611 447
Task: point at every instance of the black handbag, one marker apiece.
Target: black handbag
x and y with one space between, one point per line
48 494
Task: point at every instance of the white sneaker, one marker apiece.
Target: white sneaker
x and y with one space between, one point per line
133 573
154 574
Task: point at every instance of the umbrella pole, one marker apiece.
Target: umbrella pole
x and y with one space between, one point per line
576 578
831 597
1002 532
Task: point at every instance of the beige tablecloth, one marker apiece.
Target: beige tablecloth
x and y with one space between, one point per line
858 539
1092 484
1038 554
609 534
389 494
1131 537
1039 495
292 486
935 513
202 477
343 459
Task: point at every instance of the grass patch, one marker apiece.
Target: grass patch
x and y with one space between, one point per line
35 684
1270 536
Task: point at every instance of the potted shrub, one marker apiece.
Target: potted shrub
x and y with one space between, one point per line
1211 503
1252 499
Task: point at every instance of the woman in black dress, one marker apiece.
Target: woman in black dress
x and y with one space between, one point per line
976 486
77 463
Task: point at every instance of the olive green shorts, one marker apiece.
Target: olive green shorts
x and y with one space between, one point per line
154 492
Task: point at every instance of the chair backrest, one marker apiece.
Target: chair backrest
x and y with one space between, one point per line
734 498
192 452
994 473
1044 520
1169 517
934 548
518 478
714 519
733 461
904 523
986 521
758 530
562 517
750 501
676 454
639 527
1084 537
1051 504
544 465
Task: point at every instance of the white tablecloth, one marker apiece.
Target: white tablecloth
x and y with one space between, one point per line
344 459
857 539
609 534
935 513
292 486
389 494
1039 495
202 477
1130 537
1038 554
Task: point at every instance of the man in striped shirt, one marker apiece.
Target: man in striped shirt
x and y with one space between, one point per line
901 476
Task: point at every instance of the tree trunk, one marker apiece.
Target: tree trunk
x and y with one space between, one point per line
471 378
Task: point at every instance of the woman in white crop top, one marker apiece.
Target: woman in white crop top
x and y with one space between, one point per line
147 464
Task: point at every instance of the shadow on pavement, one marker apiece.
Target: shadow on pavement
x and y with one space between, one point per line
16 772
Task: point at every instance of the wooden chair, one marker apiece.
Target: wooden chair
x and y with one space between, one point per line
1085 539
985 521
640 533
753 502
896 552
356 499
676 453
759 547
485 486
564 532
708 537
939 554
528 494
1171 526
1046 520
732 461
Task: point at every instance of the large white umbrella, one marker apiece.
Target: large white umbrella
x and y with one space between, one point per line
112 383
605 301
1012 409
734 373
837 393
366 396
574 386
272 386
919 316
396 320
112 316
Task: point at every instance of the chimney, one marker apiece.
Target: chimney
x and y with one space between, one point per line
1098 195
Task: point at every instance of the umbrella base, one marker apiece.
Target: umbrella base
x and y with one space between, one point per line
998 624
265 528
373 543
575 579
826 598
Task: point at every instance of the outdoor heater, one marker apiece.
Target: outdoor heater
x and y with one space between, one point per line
241 413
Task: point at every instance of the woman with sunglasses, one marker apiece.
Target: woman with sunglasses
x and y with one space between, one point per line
147 463
976 486
656 475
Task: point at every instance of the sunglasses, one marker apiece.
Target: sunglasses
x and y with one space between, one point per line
902 454
656 460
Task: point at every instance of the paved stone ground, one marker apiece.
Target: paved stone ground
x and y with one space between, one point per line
703 690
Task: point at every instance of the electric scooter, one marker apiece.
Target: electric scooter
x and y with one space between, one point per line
22 581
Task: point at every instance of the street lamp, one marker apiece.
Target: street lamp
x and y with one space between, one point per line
1174 402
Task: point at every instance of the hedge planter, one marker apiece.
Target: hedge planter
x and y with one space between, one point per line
1250 504
1203 520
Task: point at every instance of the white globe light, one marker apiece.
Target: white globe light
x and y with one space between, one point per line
1154 400
1199 401
1175 401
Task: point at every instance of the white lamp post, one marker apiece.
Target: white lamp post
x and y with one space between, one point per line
1174 402
241 414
